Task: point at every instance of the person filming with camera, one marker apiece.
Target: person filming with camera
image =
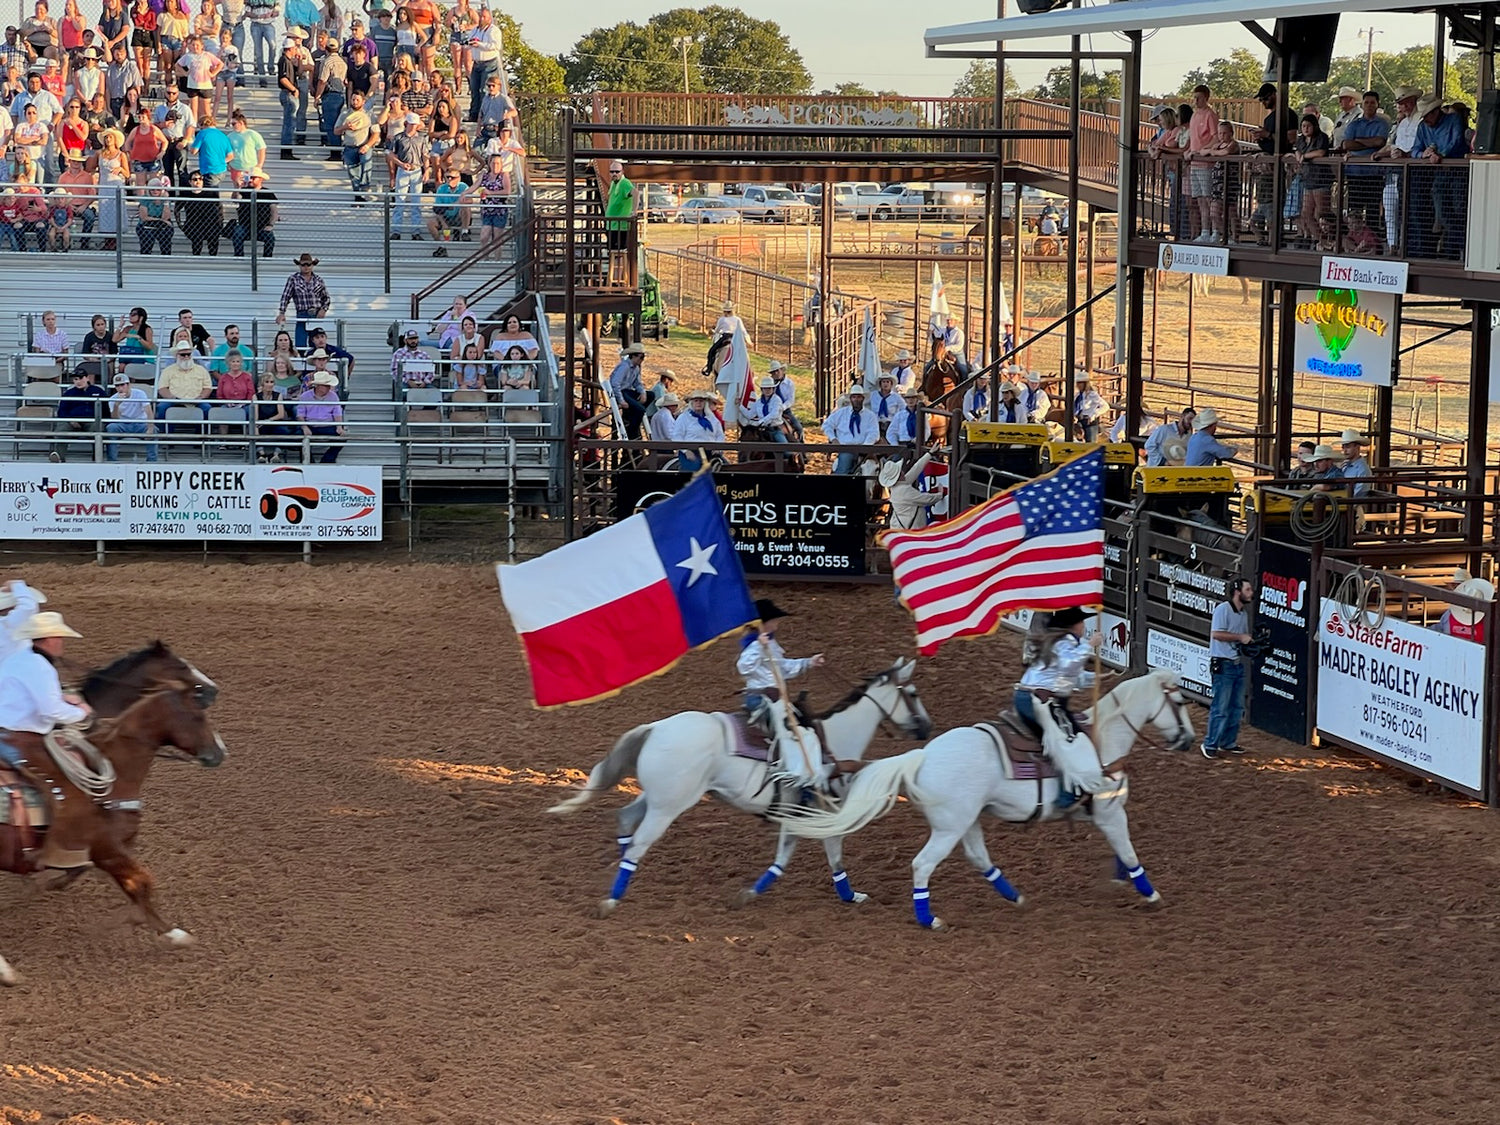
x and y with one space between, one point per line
1229 633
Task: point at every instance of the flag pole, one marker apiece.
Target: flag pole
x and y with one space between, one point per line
1098 669
791 711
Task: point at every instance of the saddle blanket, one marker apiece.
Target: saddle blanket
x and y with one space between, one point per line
1021 756
746 741
13 790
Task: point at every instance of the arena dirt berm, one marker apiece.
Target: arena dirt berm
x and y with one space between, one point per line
389 928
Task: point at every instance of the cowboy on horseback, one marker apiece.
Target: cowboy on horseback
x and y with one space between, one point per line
32 701
1056 668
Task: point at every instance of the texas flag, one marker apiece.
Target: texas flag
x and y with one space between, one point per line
601 613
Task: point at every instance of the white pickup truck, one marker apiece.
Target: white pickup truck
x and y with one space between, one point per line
772 205
897 201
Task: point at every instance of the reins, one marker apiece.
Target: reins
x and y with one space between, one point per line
1139 732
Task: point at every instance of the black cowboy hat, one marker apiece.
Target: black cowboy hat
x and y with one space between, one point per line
767 610
1066 618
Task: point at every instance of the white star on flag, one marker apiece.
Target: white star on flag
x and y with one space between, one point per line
698 560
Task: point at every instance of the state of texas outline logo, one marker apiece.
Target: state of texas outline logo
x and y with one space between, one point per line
51 489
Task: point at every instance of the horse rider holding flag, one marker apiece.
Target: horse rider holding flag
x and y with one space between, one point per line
1056 662
766 668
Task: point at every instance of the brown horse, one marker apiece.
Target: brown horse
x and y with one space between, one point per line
939 378
111 689
97 830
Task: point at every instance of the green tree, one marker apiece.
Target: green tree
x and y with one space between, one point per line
1237 76
979 82
531 72
1092 86
730 53
848 90
1411 67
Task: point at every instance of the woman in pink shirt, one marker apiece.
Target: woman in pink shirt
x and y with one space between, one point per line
236 384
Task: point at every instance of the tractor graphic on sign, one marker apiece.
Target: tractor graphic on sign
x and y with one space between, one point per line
290 495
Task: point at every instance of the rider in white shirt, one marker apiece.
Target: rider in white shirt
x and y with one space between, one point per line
787 392
886 401
697 424
761 655
907 427
664 418
854 424
766 412
1057 664
724 330
31 696
977 399
903 372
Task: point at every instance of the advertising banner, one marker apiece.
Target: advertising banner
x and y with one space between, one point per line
1371 275
1180 257
783 523
1188 659
1403 692
1279 679
1114 650
318 503
1345 334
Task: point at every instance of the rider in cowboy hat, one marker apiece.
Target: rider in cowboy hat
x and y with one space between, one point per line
757 659
1355 467
1057 661
32 701
724 329
18 601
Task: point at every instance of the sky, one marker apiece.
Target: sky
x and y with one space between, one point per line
879 42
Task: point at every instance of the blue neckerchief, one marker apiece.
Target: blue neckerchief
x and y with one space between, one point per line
911 424
884 409
704 422
854 419
978 400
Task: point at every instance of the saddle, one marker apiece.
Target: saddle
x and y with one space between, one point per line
1022 757
24 816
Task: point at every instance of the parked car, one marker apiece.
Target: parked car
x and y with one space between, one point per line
661 204
772 204
898 201
844 200
707 209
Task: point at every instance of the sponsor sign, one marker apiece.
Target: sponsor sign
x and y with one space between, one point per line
1368 274
823 113
1495 355
1188 659
1115 648
1177 257
319 503
1283 604
1345 334
1404 693
782 523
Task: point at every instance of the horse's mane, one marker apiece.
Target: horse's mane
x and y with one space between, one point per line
854 695
101 678
1109 704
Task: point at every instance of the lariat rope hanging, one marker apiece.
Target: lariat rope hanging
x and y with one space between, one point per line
90 771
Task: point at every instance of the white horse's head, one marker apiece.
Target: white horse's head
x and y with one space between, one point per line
1154 699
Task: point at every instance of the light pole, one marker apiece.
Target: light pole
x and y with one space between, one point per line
1368 35
682 43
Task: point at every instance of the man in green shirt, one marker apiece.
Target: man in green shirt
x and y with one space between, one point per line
619 215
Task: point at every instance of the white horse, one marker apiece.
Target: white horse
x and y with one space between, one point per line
679 759
965 772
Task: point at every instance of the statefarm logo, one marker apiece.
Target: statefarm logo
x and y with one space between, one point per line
1279 590
1387 640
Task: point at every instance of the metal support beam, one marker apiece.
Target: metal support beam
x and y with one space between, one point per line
1134 331
1030 56
1130 138
1265 414
1070 338
570 528
1479 419
1286 371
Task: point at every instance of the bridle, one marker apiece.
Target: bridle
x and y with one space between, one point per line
906 692
1171 695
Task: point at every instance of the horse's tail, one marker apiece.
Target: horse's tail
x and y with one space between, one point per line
616 766
871 795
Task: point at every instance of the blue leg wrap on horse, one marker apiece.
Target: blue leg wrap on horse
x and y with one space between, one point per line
622 880
1122 872
920 905
624 842
841 884
763 884
1138 877
999 882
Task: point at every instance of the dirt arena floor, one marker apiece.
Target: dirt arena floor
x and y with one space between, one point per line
390 930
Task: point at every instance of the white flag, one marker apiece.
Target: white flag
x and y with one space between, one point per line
869 353
1004 308
937 305
734 381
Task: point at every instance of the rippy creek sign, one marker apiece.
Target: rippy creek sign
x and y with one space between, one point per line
787 524
321 503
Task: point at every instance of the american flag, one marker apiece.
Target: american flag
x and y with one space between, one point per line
1038 546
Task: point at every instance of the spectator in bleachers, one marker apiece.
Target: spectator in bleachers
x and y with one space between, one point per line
449 218
492 193
318 361
358 38
512 333
59 221
330 88
198 68
321 414
236 384
383 35
420 374
153 226
495 107
517 373
446 327
306 292
255 216
185 382
408 149
469 370
135 340
78 184
96 348
485 50
317 337
357 132
129 412
195 334
76 409
271 417
1439 197
248 149
286 374
231 343
1312 148
49 339
214 150
229 77
122 76
199 211
468 334
30 136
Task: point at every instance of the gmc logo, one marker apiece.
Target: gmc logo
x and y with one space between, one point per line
87 509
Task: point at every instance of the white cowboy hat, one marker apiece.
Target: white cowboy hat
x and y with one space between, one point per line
1033 376
700 396
1013 388
1205 418
727 306
1479 590
1405 93
182 346
1348 92
1174 450
42 625
858 389
1322 453
767 383
889 474
776 365
669 399
1426 105
633 349
1307 458
317 353
8 599
903 356
1354 437
885 377
325 379
912 392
